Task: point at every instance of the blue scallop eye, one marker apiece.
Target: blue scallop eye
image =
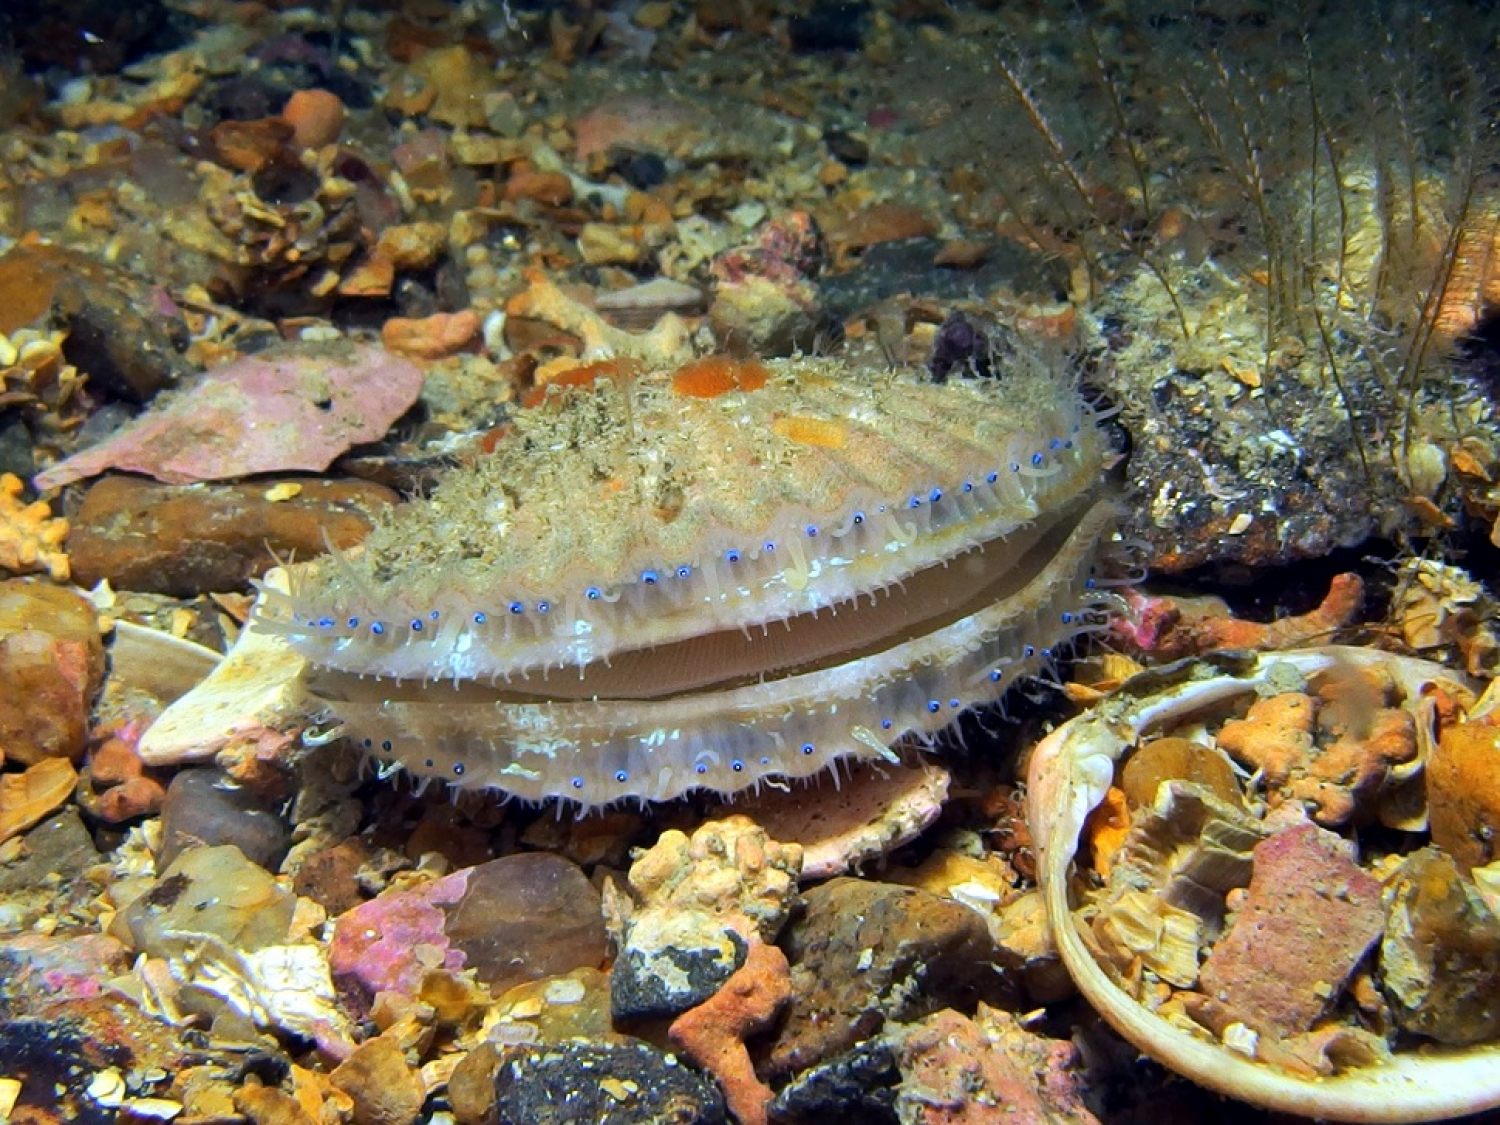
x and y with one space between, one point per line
737 766
935 495
812 531
1015 466
769 548
859 517
953 703
731 555
700 768
808 747
416 625
621 776
377 628
1057 443
593 593
369 744
433 615
480 618
325 623
650 577
684 571
1036 458
991 478
458 768
934 706
914 502
995 676
885 724
1067 618
386 745
543 607
1029 650
578 783
765 761
968 486
517 607
353 622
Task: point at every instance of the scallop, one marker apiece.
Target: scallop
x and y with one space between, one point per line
728 574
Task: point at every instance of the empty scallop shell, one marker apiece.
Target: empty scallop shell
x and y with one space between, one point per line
1070 774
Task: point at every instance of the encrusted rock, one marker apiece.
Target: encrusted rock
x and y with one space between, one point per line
704 899
51 663
511 920
1309 917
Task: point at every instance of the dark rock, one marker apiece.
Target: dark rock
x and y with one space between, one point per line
59 846
864 954
664 983
186 540
123 332
203 809
331 877
856 1088
833 25
604 1084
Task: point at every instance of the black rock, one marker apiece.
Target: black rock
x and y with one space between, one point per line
603 1084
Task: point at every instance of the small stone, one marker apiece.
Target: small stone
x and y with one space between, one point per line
1309 917
59 847
513 919
412 246
461 80
864 954
185 541
51 663
130 800
249 146
385 1088
552 189
203 808
207 891
431 337
316 117
603 1084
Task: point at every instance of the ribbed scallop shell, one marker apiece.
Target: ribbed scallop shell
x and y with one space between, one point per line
637 583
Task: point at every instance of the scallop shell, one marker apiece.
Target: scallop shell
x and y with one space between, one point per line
1070 774
712 578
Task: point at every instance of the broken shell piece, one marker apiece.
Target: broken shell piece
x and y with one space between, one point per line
1071 772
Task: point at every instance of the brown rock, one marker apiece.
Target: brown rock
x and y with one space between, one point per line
248 146
139 796
1463 794
471 1089
412 246
185 540
430 337
866 953
51 663
316 117
385 1088
550 188
1309 917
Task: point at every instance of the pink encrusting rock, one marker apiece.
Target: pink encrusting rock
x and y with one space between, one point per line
292 410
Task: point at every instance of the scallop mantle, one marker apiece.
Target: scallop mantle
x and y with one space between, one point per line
641 591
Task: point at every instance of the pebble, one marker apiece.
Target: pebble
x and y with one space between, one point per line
510 920
384 1087
431 337
213 891
51 663
316 117
59 847
185 541
202 808
865 953
604 1084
